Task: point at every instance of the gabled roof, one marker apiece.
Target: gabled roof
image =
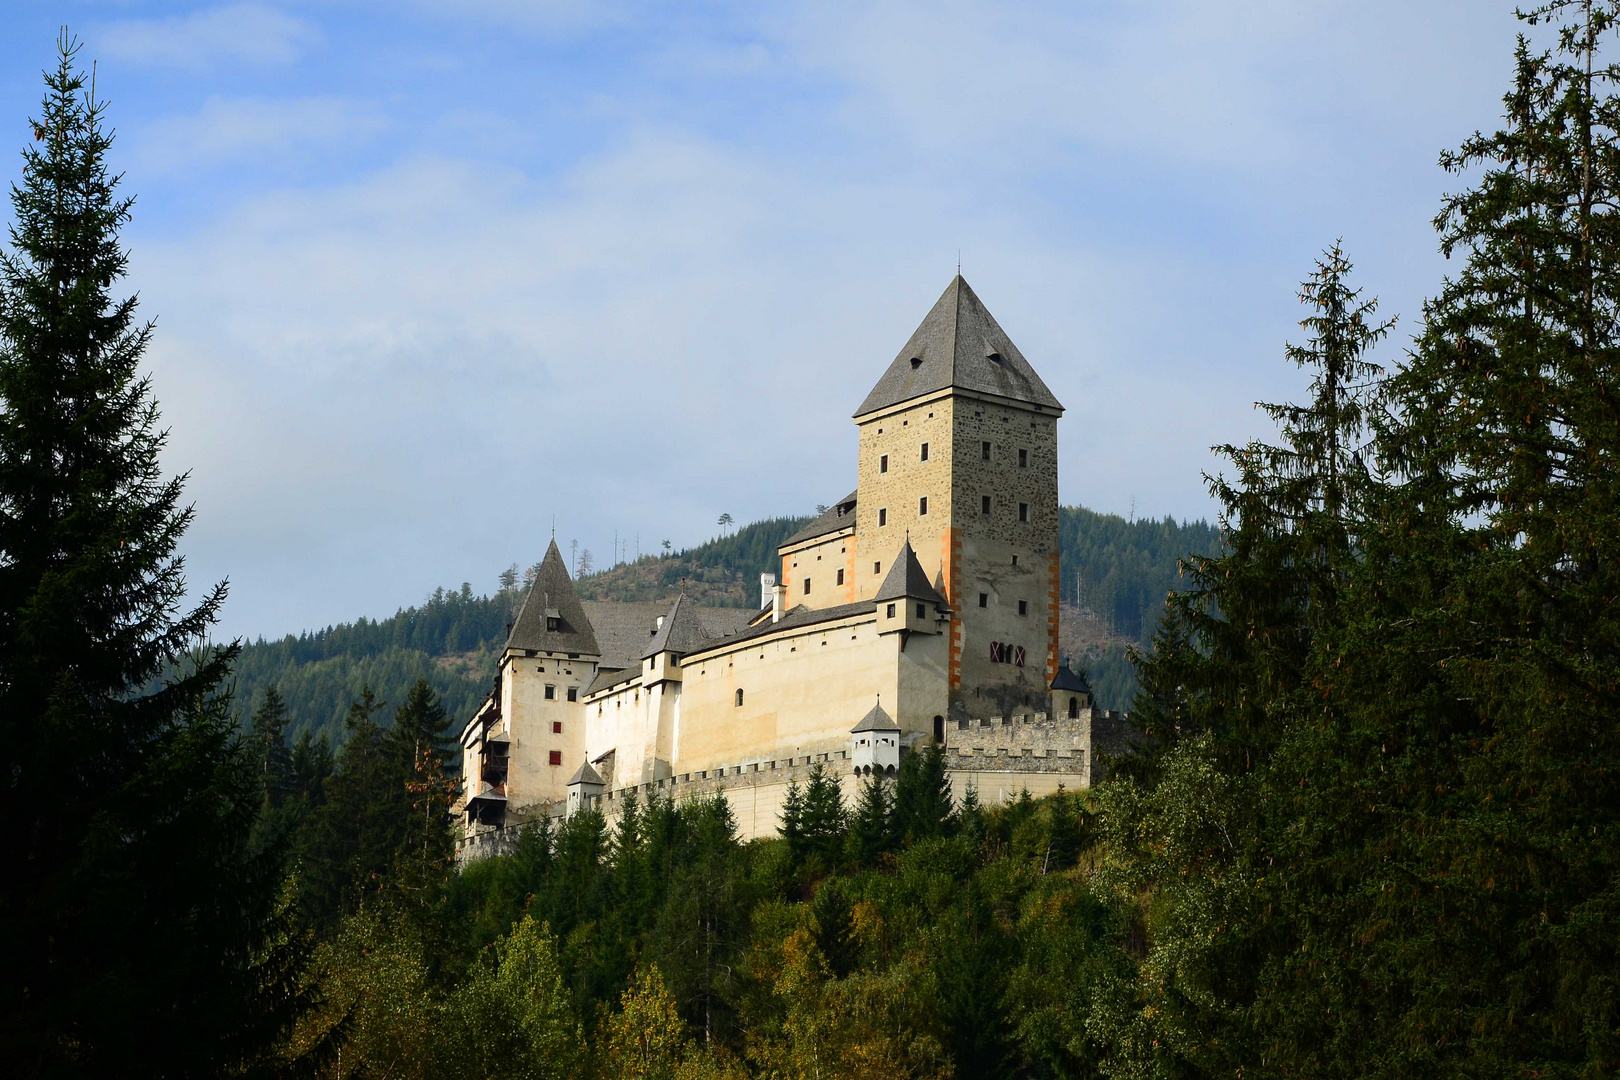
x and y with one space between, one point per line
584 775
552 601
681 632
876 720
907 579
794 619
623 627
1070 680
959 344
840 515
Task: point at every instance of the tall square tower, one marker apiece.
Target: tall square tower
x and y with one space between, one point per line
958 454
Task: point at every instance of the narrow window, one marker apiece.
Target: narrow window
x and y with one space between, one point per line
739 697
1023 459
924 452
551 692
922 506
984 599
556 727
573 693
883 463
840 577
984 505
922 612
807 586
1015 560
890 613
1023 607
877 568
984 451
1074 708
1023 511
883 516
555 757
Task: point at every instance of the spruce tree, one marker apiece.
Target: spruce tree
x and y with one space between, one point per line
269 727
824 818
922 796
140 928
870 829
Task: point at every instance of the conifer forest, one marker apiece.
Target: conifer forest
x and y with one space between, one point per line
1368 824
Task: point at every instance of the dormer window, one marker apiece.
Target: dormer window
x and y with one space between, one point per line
553 623
994 357
916 362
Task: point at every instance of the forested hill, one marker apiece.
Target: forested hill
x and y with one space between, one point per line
1115 576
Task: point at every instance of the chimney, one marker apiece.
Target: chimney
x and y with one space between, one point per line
767 582
778 602
659 625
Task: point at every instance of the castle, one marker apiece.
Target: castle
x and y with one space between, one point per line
921 607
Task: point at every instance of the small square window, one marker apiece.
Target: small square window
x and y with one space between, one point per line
1023 607
984 505
922 506
924 456
807 586
840 577
556 727
1023 511
883 516
889 614
551 692
883 463
984 599
922 611
984 451
1023 459
554 758
573 693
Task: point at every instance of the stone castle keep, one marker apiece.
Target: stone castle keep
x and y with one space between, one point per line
921 607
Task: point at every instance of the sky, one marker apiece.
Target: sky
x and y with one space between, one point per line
432 278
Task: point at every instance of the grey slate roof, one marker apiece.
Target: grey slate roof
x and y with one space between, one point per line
681 633
954 344
623 627
1070 680
907 579
585 775
610 677
876 720
799 617
552 597
840 515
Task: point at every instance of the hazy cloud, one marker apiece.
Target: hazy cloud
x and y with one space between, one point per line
251 33
252 129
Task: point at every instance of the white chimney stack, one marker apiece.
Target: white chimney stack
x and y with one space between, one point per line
767 583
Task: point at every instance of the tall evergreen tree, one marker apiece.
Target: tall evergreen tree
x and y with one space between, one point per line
922 796
139 927
825 817
270 742
870 828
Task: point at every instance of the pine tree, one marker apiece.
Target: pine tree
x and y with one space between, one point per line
922 796
140 930
870 828
269 728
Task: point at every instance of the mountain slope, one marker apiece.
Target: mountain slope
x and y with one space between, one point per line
1115 576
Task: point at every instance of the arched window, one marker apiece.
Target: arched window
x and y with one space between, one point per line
1074 708
739 696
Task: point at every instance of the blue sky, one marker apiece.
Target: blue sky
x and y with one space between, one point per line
431 274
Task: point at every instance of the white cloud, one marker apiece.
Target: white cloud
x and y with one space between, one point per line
210 38
252 129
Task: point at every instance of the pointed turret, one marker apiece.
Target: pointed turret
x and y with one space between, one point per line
959 344
907 580
552 619
679 632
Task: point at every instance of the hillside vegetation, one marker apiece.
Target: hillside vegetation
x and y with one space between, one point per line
1116 574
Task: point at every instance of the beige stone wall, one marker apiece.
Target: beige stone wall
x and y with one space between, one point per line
1002 558
530 777
802 692
818 562
899 434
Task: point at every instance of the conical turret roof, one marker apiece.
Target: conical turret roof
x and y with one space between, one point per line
907 579
959 344
680 633
876 720
551 618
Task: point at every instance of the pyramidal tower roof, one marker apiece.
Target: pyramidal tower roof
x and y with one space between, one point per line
681 631
876 720
906 578
959 344
551 618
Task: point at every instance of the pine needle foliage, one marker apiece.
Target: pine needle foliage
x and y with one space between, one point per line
142 931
